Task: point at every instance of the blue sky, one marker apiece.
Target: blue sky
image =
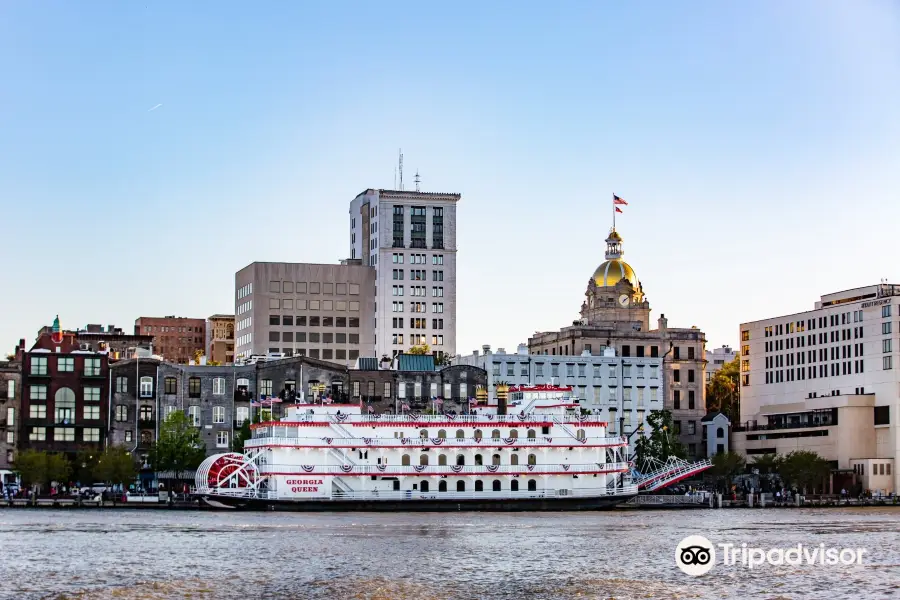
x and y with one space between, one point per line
758 146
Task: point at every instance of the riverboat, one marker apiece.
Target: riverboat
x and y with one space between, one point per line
546 456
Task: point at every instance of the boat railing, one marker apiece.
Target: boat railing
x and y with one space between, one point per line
449 470
416 442
412 417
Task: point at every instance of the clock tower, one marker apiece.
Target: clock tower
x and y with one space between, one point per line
615 298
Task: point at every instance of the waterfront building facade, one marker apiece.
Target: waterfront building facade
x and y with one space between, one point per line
826 380
615 315
301 309
10 414
178 339
409 238
220 339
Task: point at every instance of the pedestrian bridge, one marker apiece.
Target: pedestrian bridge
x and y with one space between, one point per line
656 474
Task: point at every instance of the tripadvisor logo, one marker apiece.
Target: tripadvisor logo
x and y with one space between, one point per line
695 555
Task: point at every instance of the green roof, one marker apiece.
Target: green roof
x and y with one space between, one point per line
367 363
416 362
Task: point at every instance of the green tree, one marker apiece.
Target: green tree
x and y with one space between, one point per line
662 441
116 466
803 470
85 465
767 465
243 434
179 447
32 467
423 349
725 467
723 392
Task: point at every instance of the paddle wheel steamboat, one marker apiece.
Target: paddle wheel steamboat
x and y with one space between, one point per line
546 456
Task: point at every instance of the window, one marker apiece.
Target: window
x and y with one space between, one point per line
37 434
91 412
171 385
37 411
38 392
91 367
265 387
146 387
39 365
194 387
66 364
691 402
65 405
121 385
677 399
692 427
676 375
222 439
886 311
745 336
219 386
886 345
121 413
886 327
887 363
194 415
64 434
691 372
218 414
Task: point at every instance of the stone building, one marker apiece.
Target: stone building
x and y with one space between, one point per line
615 315
220 339
415 382
10 414
177 339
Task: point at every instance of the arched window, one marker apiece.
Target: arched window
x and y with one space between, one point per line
514 433
532 459
460 459
146 438
514 459
442 486
532 485
442 434
405 460
580 435
532 434
423 486
496 485
460 434
478 435
65 405
423 434
423 459
479 486
495 434
514 485
442 459
495 460
720 433
460 486
479 460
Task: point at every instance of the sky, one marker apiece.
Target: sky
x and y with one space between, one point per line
149 150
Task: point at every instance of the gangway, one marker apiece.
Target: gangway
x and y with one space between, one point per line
658 474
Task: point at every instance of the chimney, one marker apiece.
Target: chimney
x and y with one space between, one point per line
486 349
522 350
475 353
501 350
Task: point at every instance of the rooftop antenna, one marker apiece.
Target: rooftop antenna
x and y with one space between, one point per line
418 180
395 178
401 169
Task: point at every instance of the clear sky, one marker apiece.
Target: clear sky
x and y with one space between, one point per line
758 146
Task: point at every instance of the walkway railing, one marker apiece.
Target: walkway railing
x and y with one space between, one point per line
353 419
666 473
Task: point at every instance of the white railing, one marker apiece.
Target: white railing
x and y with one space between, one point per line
668 500
368 420
419 442
481 470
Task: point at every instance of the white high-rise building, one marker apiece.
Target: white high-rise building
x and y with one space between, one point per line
410 239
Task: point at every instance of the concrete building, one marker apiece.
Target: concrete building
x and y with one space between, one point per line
616 315
178 339
826 380
717 359
220 339
410 240
10 414
321 311
623 389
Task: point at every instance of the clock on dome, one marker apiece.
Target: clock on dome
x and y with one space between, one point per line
624 300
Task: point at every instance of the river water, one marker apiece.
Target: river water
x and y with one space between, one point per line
161 554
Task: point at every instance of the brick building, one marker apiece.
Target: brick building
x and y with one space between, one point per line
65 395
113 340
220 339
10 414
176 338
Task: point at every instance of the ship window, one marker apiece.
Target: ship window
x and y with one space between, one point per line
423 486
396 485
514 433
460 434
442 460
460 486
478 435
460 459
514 459
423 459
423 434
405 460
479 460
496 485
532 459
532 485
580 435
442 486
442 434
479 486
495 434
495 460
514 485
532 434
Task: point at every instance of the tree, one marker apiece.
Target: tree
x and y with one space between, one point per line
723 392
179 447
725 467
423 349
803 469
116 466
243 434
662 441
767 466
32 467
58 467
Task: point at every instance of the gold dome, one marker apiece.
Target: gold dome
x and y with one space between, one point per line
614 235
612 271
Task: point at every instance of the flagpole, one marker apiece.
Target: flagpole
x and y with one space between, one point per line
614 211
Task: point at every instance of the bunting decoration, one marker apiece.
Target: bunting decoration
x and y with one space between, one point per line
437 441
419 468
492 468
346 468
510 441
381 467
308 468
530 467
367 441
565 467
328 440
456 468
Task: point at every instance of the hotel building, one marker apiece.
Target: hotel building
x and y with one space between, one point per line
409 238
826 380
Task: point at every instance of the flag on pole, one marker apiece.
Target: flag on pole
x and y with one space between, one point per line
617 200
371 410
404 406
439 401
618 210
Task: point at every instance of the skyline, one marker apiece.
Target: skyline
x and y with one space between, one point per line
757 151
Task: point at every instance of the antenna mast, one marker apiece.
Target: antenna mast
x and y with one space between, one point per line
418 180
401 169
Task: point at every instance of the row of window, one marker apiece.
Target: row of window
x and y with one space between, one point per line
242 413
325 305
244 291
877 469
417 275
418 307
302 321
829 370
612 370
834 320
314 287
416 339
64 364
418 290
63 395
417 323
314 337
170 329
324 354
676 400
417 259
64 434
63 414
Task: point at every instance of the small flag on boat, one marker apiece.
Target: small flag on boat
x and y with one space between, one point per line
371 410
404 406
438 400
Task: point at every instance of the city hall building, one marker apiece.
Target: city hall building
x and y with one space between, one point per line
826 380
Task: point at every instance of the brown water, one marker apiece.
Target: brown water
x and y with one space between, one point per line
156 554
